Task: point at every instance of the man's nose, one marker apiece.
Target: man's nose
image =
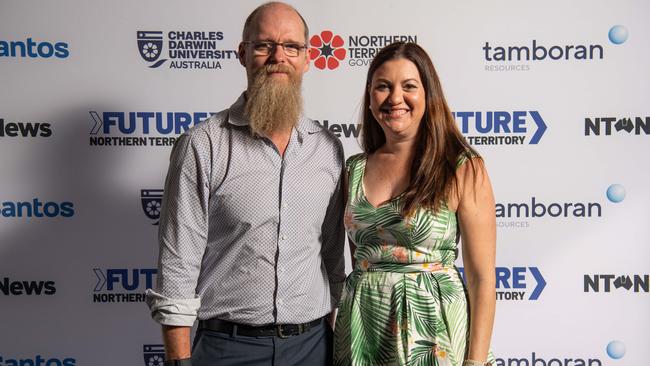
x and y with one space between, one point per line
277 54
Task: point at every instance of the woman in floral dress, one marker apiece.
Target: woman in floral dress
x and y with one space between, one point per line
414 191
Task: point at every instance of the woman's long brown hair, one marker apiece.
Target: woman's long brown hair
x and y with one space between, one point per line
439 142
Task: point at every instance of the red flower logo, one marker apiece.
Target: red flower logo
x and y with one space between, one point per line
326 50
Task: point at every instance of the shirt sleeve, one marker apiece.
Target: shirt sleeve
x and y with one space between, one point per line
182 233
333 233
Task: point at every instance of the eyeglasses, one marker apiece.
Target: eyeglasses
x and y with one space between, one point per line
264 48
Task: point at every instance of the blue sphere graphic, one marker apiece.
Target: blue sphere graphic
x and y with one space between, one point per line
616 349
618 34
616 193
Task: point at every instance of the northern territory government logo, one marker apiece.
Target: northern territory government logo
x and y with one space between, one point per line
523 55
185 49
140 128
609 126
329 50
501 127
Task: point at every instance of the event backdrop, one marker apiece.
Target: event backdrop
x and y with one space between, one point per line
555 96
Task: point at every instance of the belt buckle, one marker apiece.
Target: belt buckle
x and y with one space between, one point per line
281 334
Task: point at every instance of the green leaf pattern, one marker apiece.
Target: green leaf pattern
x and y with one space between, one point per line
405 302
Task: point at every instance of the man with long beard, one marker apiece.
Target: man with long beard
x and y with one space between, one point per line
251 232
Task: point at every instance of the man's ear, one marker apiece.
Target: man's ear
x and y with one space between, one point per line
308 56
241 53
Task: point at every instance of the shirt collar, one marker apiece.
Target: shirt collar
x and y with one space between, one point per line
236 117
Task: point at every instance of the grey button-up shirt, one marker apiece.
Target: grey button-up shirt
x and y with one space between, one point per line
247 235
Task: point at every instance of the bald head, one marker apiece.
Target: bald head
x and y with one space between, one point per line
251 24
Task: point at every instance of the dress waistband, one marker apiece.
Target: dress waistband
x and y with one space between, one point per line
365 266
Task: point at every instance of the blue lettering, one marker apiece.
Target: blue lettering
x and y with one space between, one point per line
182 121
61 50
518 277
113 276
519 121
503 274
159 123
501 120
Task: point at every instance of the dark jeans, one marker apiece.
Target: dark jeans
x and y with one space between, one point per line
313 347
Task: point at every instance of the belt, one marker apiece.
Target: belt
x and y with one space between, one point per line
280 330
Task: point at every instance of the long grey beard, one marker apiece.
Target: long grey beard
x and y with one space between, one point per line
273 106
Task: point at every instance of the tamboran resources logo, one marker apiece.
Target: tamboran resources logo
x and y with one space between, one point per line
536 359
140 128
195 50
501 127
522 57
122 284
329 50
522 214
517 283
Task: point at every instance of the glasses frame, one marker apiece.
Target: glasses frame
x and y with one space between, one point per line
271 45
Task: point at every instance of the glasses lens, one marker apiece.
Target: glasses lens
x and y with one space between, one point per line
292 49
262 48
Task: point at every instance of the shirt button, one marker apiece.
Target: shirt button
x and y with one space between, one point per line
284 205
283 237
280 302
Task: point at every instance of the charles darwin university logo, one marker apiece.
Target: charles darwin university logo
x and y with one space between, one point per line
151 203
150 45
185 50
154 354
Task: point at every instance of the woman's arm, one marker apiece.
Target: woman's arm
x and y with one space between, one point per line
476 214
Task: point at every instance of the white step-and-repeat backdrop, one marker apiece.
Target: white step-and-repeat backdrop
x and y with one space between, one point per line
555 95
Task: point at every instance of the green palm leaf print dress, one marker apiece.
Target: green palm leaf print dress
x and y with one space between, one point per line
404 303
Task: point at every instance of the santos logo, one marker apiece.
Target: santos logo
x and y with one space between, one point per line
33 49
37 361
36 208
141 123
513 283
621 126
608 282
24 129
504 128
131 282
187 50
18 288
516 57
328 49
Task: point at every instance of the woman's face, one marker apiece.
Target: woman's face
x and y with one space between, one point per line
397 98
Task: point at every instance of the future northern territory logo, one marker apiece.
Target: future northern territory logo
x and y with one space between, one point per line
184 49
501 127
